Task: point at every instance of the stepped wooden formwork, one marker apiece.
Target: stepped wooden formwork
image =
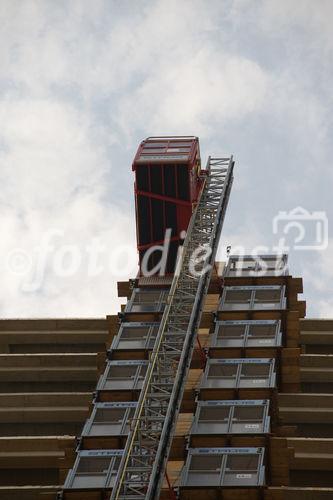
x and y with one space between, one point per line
297 467
310 413
316 336
49 369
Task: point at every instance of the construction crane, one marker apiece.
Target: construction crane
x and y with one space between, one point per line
143 464
172 194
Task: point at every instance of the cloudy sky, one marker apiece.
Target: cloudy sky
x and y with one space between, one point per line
83 82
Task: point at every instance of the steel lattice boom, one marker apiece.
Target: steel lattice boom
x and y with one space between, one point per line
144 460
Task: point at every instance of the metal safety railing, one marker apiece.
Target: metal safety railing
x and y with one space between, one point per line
143 464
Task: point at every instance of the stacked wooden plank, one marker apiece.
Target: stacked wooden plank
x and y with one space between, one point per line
55 358
48 371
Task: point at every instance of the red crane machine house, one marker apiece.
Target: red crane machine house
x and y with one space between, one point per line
167 186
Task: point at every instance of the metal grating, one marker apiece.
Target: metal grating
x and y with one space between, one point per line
147 300
123 375
239 373
256 265
110 419
94 469
244 298
247 333
135 335
231 417
228 467
143 464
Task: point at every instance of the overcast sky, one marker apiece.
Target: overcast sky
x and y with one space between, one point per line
83 82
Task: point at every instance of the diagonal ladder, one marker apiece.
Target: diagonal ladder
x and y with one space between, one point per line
143 464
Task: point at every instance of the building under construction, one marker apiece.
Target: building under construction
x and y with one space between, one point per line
208 384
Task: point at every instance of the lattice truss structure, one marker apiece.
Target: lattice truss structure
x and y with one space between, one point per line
142 468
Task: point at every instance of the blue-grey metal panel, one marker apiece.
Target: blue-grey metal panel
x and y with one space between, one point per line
109 419
239 372
94 469
231 417
218 467
147 300
136 335
123 375
240 298
247 333
259 265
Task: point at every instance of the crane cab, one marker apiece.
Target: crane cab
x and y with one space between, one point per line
167 186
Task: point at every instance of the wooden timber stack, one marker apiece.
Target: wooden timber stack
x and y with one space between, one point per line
49 372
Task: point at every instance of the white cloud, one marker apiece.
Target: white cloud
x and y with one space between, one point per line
80 81
55 172
315 18
50 151
197 94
